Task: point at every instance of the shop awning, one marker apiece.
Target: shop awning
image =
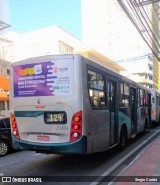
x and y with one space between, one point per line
3 96
4 83
4 88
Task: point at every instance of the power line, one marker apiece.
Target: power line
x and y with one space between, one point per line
136 58
144 16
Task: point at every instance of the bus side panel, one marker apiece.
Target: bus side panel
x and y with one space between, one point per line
141 117
98 130
125 118
96 121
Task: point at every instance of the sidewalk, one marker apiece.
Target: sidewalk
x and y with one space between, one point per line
145 168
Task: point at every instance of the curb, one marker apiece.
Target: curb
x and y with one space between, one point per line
116 165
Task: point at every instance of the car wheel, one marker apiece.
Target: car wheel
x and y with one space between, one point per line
4 148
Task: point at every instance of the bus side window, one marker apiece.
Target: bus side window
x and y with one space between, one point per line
102 101
124 95
97 98
97 94
145 99
140 98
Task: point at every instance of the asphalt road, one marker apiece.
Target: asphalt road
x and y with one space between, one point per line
76 168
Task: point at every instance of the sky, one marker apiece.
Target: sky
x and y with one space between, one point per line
29 15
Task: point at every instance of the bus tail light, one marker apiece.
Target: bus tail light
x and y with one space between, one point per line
14 127
76 127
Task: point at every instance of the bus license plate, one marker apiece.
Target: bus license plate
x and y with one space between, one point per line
55 117
43 138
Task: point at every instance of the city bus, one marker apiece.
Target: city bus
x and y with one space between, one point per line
72 105
155 102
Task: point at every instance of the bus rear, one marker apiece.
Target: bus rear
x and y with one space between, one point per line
46 115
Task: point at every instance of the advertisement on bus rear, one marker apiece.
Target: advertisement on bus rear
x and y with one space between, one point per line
49 78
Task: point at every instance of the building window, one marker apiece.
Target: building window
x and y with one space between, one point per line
8 72
97 92
65 48
150 67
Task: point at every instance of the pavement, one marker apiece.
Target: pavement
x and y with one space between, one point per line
144 169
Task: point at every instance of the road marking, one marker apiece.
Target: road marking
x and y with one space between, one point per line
116 165
36 154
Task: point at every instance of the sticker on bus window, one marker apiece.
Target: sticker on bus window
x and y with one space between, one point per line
50 78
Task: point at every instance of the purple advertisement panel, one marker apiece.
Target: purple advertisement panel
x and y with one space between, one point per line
49 78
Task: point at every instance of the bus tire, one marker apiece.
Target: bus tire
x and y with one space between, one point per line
145 125
123 139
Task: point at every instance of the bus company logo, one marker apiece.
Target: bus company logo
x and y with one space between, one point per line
37 69
61 69
55 69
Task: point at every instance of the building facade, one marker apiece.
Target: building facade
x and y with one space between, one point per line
155 45
142 73
4 63
51 41
46 41
106 28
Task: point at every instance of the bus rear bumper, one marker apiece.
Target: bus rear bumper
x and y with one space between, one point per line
77 147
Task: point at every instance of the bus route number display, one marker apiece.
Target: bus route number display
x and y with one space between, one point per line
55 117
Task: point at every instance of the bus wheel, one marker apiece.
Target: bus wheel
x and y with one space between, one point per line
145 125
123 139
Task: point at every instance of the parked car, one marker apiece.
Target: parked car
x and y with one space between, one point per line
5 136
